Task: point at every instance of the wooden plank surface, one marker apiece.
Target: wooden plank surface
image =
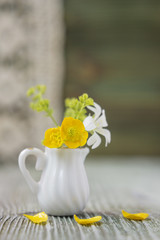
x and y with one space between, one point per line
116 184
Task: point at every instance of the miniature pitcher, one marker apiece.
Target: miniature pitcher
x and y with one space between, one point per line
63 188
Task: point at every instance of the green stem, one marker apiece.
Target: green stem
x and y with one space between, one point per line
83 106
53 120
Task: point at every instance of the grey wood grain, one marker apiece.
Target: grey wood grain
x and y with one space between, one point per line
116 184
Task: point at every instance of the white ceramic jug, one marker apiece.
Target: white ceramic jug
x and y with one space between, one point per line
63 188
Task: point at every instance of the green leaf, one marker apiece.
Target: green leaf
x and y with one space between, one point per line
76 107
39 103
30 91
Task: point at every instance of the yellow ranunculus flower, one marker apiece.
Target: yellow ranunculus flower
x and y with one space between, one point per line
73 132
52 138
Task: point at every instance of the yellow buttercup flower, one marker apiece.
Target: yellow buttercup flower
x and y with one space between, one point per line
73 132
52 138
38 218
135 216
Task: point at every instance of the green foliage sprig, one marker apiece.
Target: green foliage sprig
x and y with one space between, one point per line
39 103
76 107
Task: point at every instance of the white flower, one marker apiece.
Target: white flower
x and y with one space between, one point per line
97 124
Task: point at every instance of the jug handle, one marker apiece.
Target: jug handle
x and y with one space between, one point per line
40 163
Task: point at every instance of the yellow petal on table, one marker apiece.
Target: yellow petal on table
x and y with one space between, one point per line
136 216
87 220
38 218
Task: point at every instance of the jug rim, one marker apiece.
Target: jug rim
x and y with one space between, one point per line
67 149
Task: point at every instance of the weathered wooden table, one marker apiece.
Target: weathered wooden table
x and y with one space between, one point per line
115 184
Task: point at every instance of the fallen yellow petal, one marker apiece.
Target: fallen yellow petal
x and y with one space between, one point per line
88 220
38 218
136 216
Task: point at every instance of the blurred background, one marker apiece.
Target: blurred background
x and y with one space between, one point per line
107 48
113 53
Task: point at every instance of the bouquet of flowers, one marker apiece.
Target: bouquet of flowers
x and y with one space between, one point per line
84 121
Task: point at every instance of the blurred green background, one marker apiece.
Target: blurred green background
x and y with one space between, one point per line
113 54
